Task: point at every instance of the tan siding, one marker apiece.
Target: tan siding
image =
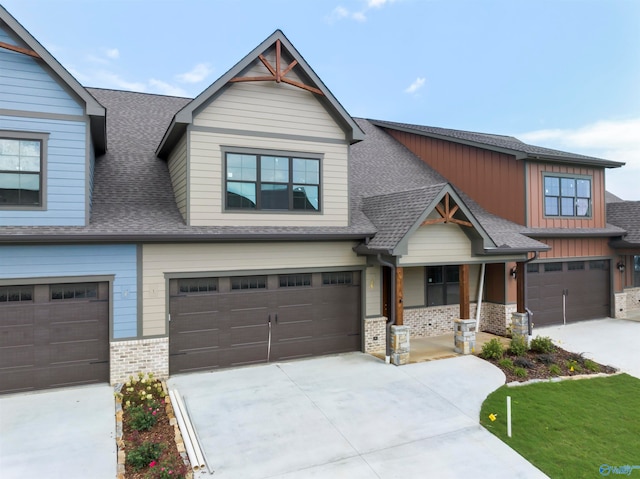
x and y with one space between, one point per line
206 186
575 247
178 171
486 176
439 243
270 107
414 286
373 291
535 186
158 259
474 271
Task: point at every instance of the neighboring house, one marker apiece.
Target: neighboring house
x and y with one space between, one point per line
260 222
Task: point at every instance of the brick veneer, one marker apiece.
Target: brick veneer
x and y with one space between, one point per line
375 328
437 320
141 355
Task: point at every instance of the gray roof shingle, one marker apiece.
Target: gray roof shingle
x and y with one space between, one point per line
134 200
626 215
500 142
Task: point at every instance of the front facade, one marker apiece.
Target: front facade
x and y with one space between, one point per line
263 224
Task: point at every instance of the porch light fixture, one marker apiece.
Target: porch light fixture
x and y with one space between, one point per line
620 266
514 272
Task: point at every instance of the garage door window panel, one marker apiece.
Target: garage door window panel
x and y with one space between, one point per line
199 285
295 280
248 283
64 292
12 294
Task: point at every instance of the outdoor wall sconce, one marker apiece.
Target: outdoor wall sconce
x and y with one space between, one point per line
514 272
620 266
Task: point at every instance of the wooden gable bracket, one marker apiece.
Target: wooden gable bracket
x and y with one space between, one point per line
277 74
446 213
17 49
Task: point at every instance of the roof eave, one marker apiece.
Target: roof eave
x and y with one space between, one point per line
179 237
577 161
519 155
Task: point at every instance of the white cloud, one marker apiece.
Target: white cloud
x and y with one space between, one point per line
113 53
112 80
616 140
341 12
164 88
196 74
416 85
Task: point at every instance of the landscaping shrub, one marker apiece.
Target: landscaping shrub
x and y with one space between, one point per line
143 417
492 349
506 363
518 346
546 358
573 365
541 344
166 467
144 454
555 369
591 366
520 372
523 362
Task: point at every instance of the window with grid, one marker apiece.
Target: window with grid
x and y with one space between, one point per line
198 285
337 278
568 197
443 285
65 292
636 270
10 294
248 282
272 182
295 280
20 172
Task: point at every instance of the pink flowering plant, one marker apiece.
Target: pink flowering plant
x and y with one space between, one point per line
149 445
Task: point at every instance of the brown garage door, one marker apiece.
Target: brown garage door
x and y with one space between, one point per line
576 290
53 335
223 322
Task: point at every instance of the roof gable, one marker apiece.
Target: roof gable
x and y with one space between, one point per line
278 73
34 49
398 215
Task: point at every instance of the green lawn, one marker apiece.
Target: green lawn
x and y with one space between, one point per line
568 429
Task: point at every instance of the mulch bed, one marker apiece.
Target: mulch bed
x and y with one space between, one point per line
162 432
540 370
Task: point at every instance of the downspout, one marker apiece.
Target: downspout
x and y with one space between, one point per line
391 320
529 313
480 289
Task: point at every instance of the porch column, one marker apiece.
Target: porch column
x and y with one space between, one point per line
464 291
520 287
399 294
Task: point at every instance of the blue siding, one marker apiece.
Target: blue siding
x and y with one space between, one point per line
66 173
67 260
26 86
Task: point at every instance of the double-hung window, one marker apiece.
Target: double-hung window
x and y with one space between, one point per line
272 182
636 271
21 169
567 196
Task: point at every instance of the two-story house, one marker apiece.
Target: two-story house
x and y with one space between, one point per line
261 222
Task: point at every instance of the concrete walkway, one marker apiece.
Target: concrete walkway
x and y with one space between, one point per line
608 341
350 416
58 433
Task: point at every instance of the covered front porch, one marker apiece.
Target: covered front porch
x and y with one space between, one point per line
442 273
441 347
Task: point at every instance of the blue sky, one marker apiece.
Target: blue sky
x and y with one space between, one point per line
556 73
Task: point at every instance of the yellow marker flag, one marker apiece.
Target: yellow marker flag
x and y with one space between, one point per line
493 417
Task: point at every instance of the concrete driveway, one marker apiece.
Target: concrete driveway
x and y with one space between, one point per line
58 433
608 341
349 416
